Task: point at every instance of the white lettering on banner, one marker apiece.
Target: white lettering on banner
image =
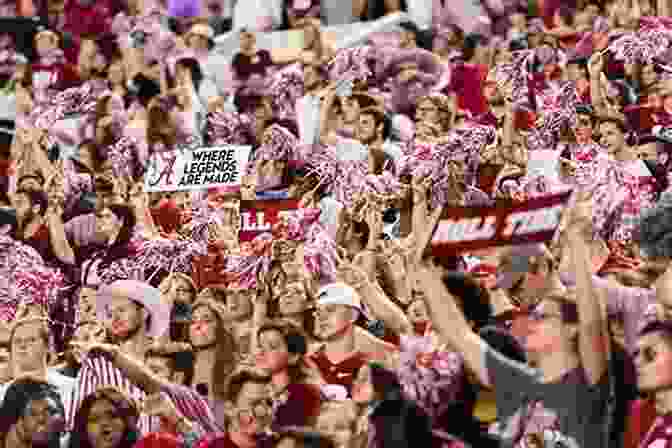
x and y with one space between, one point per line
259 225
466 229
196 169
532 221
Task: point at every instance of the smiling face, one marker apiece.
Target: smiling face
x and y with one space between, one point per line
40 420
104 427
124 317
332 321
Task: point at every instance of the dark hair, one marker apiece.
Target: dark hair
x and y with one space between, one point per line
295 340
17 398
36 197
308 439
8 217
157 117
474 300
248 102
195 69
144 89
120 248
100 112
178 361
385 382
98 153
124 409
471 42
226 350
380 118
566 14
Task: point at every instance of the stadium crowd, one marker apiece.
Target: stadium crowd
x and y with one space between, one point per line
311 303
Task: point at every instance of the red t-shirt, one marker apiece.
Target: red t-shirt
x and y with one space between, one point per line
344 372
640 419
467 83
301 407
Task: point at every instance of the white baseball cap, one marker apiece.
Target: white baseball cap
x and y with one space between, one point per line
339 294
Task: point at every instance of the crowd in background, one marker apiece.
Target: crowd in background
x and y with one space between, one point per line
142 319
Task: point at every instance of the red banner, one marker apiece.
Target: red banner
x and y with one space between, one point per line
465 229
257 217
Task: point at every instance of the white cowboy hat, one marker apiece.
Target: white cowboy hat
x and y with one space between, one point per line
142 293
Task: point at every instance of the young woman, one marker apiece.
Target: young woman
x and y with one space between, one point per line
215 350
394 420
105 419
279 353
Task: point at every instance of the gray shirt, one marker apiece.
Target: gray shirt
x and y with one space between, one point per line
571 410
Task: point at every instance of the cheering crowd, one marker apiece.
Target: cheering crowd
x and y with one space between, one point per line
306 305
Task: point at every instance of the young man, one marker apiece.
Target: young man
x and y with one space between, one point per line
41 227
565 396
248 408
33 416
653 359
29 355
133 313
346 347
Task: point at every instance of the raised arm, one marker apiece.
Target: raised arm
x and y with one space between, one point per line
373 296
450 323
593 338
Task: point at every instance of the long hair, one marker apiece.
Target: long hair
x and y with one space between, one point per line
277 275
124 409
157 118
18 396
121 248
296 342
195 70
226 350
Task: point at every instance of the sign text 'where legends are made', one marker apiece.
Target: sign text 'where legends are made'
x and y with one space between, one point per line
195 170
463 229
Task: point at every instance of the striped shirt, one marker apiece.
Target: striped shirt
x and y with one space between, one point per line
98 371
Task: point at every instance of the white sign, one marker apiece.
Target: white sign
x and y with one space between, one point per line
195 170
